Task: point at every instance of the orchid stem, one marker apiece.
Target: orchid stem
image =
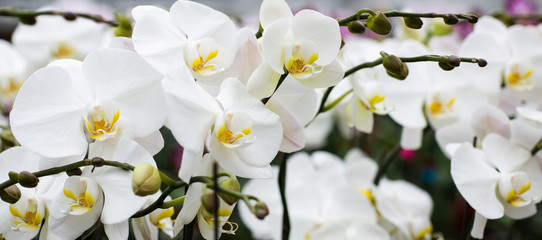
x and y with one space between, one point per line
282 188
31 14
215 197
355 17
281 79
173 202
385 163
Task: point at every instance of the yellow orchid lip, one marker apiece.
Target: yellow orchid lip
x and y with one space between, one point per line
99 126
28 218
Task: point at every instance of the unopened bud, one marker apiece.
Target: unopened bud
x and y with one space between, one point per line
379 23
445 66
231 184
27 179
395 67
70 16
472 19
74 172
208 201
261 210
413 22
145 179
451 19
97 161
481 62
13 176
355 27
28 20
453 60
11 194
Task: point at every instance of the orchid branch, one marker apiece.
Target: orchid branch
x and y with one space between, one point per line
281 79
360 15
282 188
29 16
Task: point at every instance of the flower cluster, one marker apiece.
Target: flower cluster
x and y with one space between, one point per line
77 99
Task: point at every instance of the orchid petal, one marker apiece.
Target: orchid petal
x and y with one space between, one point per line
273 10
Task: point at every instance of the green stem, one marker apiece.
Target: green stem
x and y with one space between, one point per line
20 13
385 163
337 101
282 188
355 17
173 202
155 205
281 79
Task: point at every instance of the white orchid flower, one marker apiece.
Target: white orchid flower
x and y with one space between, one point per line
13 73
304 45
160 219
206 46
63 106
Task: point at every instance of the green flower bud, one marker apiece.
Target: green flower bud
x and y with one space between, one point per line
27 179
260 210
97 161
472 18
439 28
74 172
395 67
481 62
208 201
450 19
11 194
445 66
70 16
125 26
231 184
453 60
13 176
413 22
379 23
355 27
28 20
145 180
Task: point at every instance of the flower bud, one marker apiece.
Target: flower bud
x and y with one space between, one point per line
11 194
355 27
395 67
27 179
74 172
445 66
472 18
13 176
28 20
453 60
439 28
70 16
97 161
260 210
481 62
231 184
208 201
145 180
413 22
379 23
451 19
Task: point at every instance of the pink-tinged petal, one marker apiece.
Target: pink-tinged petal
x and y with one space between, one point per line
504 154
117 231
122 43
273 10
249 55
490 119
273 41
262 81
192 112
321 30
330 76
159 42
144 10
476 181
131 83
478 226
411 138
46 116
293 135
198 21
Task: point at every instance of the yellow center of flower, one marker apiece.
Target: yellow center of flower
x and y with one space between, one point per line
424 232
437 107
298 66
369 194
30 220
83 203
11 86
517 80
99 125
514 198
63 50
228 137
202 64
156 218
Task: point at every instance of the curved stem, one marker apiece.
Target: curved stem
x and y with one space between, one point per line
385 163
173 202
282 188
469 17
281 79
19 13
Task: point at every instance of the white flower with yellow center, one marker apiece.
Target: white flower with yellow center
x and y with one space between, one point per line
501 179
190 34
244 135
304 46
13 72
368 98
113 92
147 227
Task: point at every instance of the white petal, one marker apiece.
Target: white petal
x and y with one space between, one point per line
525 133
191 206
504 154
321 30
476 181
330 76
411 138
478 226
143 10
263 81
47 106
117 231
272 10
455 133
293 135
519 212
490 119
152 143
408 110
273 42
